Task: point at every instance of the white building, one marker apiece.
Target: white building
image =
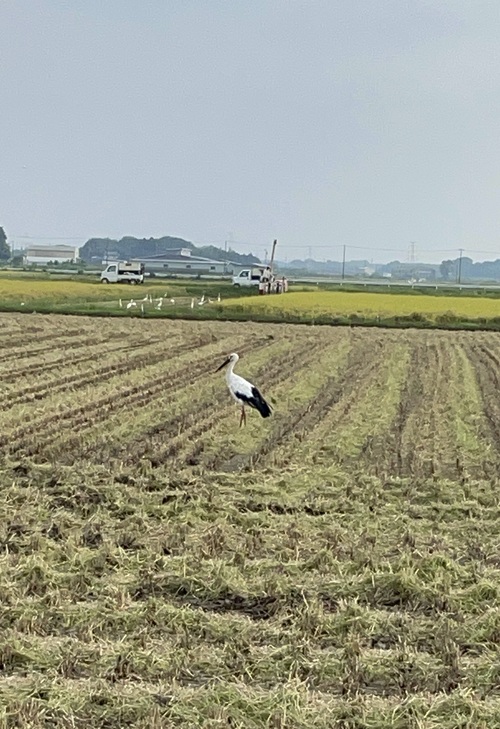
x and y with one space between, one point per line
41 255
181 261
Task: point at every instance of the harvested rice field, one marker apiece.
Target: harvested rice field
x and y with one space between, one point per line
335 565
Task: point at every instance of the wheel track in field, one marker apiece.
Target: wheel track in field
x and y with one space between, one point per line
16 354
389 451
176 426
338 390
65 361
352 426
341 398
24 342
279 370
417 448
101 409
21 349
428 442
486 364
184 426
100 375
406 452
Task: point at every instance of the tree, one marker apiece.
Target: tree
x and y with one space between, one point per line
446 269
4 246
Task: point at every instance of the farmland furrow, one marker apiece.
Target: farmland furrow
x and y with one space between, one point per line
103 408
76 338
16 354
389 458
333 584
349 433
92 350
205 408
418 438
477 456
340 388
486 364
25 340
189 447
429 442
102 374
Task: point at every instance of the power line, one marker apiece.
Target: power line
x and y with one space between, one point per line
304 247
339 246
48 237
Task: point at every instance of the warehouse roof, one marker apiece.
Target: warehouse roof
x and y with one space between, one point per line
180 257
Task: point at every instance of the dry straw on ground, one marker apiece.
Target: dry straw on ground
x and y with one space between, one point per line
336 565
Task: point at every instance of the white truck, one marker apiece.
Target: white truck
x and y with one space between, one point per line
252 276
263 277
131 272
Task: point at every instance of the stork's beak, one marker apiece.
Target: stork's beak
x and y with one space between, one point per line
228 360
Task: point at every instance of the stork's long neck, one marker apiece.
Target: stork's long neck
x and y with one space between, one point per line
229 371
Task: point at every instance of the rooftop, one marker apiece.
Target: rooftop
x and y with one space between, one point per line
52 246
182 257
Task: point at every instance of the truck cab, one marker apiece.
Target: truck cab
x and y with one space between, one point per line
130 272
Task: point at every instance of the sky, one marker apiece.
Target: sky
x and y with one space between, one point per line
372 124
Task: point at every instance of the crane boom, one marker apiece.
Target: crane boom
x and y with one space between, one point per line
275 243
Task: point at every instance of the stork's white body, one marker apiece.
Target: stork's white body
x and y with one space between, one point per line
237 384
243 392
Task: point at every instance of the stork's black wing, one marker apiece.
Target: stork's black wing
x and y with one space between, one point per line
255 401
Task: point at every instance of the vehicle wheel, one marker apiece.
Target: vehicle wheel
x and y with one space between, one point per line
104 280
236 286
133 283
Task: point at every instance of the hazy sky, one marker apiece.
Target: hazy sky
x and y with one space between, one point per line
369 123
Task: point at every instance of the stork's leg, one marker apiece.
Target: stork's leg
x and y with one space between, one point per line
243 418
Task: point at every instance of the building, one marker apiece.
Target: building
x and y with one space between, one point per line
181 261
41 255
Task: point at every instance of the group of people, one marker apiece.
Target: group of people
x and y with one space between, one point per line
273 285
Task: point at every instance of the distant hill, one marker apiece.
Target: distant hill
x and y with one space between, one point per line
96 250
99 249
448 270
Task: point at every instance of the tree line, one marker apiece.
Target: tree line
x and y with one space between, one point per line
129 248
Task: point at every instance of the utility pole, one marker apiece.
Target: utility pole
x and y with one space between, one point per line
343 262
460 266
225 257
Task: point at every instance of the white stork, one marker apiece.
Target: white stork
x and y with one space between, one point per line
243 392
